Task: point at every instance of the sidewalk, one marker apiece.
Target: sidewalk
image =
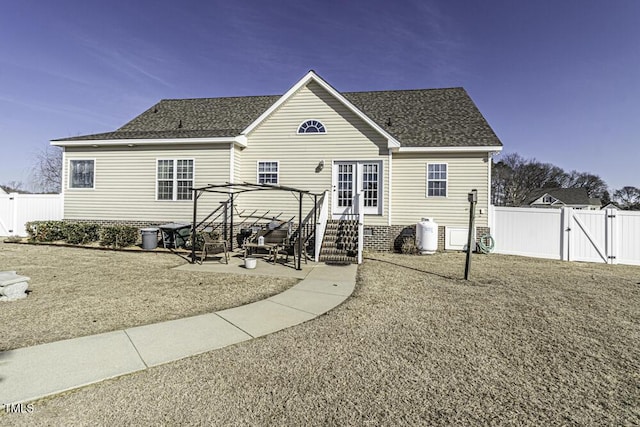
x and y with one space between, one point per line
33 372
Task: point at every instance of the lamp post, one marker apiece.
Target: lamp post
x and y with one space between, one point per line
473 199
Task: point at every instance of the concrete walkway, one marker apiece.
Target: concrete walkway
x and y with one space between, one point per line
33 372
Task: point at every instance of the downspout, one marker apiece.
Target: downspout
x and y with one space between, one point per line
389 190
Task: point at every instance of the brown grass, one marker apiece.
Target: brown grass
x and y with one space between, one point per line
525 342
77 292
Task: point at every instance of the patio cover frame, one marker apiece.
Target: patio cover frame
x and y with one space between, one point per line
235 189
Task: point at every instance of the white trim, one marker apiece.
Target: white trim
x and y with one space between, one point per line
311 133
490 149
312 76
277 162
389 194
232 161
175 178
357 172
446 182
489 210
240 140
83 159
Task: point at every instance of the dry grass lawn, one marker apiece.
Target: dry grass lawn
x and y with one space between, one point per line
525 342
77 292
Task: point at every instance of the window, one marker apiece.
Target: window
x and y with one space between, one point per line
370 179
312 126
268 172
437 180
81 173
547 199
175 179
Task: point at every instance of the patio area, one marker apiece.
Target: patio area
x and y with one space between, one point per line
264 266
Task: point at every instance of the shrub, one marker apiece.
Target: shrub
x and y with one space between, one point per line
118 236
409 246
81 233
45 231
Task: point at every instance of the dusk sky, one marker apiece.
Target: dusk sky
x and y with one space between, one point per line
556 80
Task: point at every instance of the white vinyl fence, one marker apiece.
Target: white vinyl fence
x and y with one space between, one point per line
18 209
609 236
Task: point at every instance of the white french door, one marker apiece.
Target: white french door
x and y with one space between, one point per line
351 177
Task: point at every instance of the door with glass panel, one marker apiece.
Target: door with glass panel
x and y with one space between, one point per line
351 177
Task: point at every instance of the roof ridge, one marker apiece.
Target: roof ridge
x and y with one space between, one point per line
347 92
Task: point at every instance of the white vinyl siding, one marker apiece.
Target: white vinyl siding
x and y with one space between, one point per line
465 172
82 174
127 183
299 156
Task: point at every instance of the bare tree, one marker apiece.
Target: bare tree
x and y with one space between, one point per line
628 197
47 170
594 185
13 187
515 178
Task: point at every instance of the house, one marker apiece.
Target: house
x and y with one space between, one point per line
2 191
610 205
576 198
409 154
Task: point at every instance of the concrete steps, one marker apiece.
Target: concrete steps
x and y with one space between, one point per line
340 244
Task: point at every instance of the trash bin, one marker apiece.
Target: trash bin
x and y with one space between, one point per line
149 238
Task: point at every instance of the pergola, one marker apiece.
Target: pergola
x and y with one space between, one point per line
232 190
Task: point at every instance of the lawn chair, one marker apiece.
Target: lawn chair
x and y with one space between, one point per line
213 243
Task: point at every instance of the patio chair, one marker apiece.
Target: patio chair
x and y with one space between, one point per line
211 244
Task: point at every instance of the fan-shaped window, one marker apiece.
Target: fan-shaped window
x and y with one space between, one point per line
312 126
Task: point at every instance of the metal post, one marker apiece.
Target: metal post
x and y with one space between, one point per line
231 231
193 229
299 267
224 224
473 198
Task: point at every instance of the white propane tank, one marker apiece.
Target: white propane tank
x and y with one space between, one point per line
427 236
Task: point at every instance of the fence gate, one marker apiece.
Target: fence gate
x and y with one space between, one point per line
590 235
17 209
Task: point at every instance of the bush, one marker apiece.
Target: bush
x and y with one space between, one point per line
81 233
45 231
409 246
118 236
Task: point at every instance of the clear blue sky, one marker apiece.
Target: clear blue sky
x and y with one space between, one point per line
557 80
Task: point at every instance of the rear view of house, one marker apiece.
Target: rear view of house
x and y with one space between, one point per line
408 154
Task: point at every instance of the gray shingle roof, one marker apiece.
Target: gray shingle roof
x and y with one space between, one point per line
569 196
416 118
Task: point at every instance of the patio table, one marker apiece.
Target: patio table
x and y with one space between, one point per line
172 234
273 249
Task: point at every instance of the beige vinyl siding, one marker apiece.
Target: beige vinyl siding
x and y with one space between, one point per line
347 138
125 183
465 171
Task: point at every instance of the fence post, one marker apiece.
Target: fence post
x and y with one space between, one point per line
13 222
611 240
565 243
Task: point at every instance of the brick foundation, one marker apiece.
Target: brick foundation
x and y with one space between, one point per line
382 238
386 238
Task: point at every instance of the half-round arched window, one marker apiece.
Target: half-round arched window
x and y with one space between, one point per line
312 126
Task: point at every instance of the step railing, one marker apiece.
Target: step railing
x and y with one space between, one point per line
321 225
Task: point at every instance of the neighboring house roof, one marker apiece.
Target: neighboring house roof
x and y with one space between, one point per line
2 191
611 205
415 118
566 196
